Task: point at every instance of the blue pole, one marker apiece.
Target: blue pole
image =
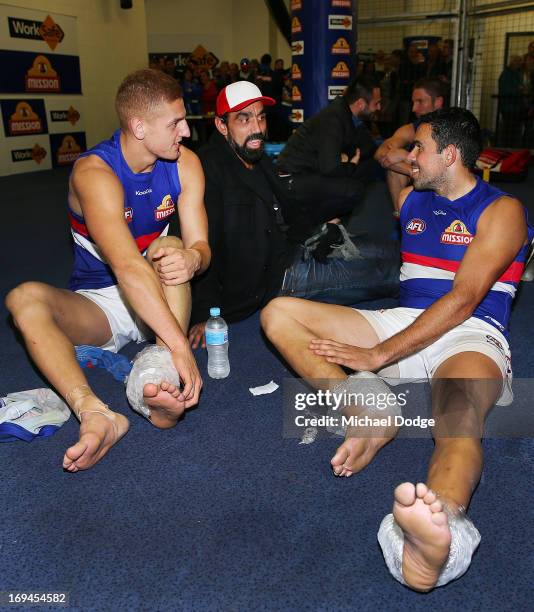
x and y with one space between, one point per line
323 53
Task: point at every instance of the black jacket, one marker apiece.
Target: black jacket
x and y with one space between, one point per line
249 252
317 145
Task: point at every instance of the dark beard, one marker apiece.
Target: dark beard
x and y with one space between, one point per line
365 116
423 183
246 154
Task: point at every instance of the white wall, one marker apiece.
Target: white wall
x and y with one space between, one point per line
231 29
111 42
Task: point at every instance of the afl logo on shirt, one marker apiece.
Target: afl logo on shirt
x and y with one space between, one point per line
128 214
415 226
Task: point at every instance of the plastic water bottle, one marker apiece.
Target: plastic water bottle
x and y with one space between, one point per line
217 343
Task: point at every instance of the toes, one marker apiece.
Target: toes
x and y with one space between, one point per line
436 506
439 518
430 497
73 453
339 459
345 472
150 390
69 462
421 490
171 389
405 494
80 455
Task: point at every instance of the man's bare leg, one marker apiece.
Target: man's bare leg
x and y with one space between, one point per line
165 407
396 183
459 407
290 324
51 322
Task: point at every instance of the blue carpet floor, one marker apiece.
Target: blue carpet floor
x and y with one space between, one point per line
223 512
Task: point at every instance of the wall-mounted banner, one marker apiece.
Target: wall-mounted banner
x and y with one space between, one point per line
323 53
26 154
24 72
23 117
39 56
39 31
203 58
66 148
200 56
65 114
180 58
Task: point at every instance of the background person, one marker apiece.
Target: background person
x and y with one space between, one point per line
428 95
328 160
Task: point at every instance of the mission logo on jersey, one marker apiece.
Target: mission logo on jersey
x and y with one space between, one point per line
165 209
456 233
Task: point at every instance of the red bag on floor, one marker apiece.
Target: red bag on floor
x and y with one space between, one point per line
504 165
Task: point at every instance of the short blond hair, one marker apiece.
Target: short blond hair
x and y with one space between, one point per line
142 92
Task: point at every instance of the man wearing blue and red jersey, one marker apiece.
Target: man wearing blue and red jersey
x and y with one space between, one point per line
127 271
463 246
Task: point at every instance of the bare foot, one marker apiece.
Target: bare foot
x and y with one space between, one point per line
427 537
360 446
355 453
100 429
165 407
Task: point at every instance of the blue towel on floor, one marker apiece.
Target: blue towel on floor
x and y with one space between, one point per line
117 365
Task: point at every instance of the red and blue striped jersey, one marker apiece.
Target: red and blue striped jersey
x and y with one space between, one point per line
436 233
150 198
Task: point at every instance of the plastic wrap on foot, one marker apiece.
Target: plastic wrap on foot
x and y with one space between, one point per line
465 539
367 385
151 365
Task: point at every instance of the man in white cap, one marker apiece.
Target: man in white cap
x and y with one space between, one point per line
252 260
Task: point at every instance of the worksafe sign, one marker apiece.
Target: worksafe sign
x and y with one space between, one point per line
23 29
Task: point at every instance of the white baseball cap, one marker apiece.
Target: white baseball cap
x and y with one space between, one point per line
238 95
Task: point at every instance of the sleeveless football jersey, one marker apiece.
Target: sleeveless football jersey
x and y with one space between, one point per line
149 200
435 235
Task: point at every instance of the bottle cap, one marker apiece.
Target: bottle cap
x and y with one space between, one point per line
215 311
